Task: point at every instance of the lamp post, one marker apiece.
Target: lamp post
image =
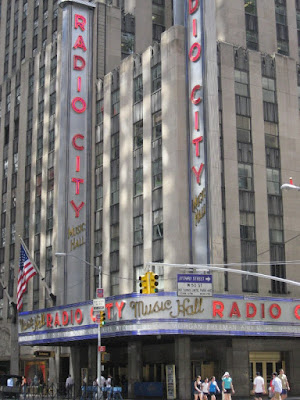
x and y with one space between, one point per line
290 186
99 268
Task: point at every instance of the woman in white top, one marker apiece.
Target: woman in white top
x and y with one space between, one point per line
205 386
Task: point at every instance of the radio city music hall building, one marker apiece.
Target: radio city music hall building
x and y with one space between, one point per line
150 131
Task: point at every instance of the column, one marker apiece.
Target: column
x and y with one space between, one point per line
183 367
135 366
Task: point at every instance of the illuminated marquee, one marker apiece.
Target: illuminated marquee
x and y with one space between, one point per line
197 132
164 313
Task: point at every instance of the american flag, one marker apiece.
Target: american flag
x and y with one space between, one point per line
26 271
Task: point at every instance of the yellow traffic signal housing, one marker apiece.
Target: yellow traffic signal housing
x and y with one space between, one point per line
148 283
153 282
144 284
102 318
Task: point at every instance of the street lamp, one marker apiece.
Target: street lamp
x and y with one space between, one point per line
99 268
290 186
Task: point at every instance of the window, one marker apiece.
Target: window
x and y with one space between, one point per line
115 146
138 181
127 43
247 226
268 85
138 135
52 103
245 176
271 134
273 181
42 76
51 142
158 19
158 224
138 230
114 237
100 113
156 125
251 24
241 82
156 77
282 27
157 173
276 228
243 126
115 102
41 111
138 89
114 191
53 67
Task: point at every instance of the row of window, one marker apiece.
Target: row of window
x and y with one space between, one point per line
24 32
281 25
245 176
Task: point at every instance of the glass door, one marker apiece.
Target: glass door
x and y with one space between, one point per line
266 363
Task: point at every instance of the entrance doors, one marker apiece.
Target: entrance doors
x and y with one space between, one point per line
206 369
266 363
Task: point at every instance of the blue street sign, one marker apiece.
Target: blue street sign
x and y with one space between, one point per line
194 285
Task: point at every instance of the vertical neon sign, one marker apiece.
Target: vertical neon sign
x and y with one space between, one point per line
75 146
195 59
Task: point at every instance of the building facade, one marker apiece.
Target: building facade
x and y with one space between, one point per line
138 132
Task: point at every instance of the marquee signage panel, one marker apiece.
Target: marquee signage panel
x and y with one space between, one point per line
75 145
164 313
197 138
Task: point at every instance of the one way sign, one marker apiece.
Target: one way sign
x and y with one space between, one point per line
194 285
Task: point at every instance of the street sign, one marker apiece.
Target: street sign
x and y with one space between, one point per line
102 349
194 285
99 292
99 304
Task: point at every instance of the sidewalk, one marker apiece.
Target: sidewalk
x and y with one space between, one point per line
236 397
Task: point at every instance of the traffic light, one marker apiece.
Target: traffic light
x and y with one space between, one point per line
148 283
144 284
102 318
153 282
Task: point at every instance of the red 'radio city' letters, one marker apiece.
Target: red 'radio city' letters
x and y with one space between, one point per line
79 106
195 55
252 310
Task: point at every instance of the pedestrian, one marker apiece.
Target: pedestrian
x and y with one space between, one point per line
205 386
277 386
24 386
197 388
271 389
10 382
213 388
227 386
95 388
69 385
102 381
258 386
109 388
285 384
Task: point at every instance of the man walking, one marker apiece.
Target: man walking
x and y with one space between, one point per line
285 384
277 386
258 386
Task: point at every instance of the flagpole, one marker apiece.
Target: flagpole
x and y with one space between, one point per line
52 296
